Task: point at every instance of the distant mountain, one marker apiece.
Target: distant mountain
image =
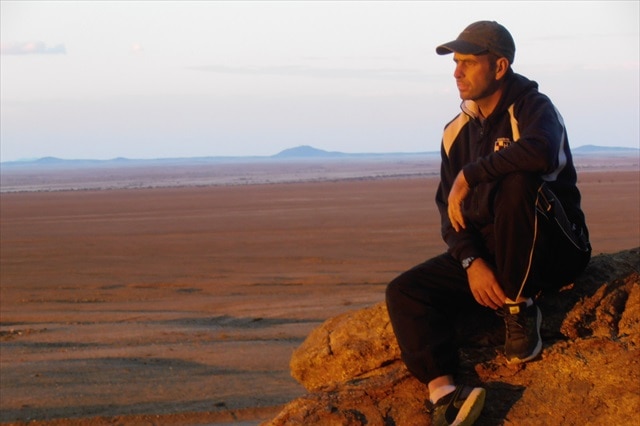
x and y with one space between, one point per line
61 161
595 149
49 160
309 152
306 151
55 162
300 152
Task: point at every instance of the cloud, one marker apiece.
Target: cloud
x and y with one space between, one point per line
32 48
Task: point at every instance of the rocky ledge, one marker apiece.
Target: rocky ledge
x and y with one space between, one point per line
588 374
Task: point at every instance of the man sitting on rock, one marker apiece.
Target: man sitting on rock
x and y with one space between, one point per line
511 219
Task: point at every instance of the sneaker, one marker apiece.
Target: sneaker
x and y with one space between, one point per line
523 342
461 407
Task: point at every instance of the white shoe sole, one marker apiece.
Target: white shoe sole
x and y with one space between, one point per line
471 409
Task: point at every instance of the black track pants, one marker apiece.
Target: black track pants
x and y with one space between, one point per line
529 252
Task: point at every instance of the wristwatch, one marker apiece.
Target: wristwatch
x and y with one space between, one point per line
466 262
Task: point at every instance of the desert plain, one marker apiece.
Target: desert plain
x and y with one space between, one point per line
173 296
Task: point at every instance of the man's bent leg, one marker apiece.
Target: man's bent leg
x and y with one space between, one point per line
515 232
423 303
532 251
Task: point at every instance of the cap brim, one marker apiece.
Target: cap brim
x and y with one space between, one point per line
460 46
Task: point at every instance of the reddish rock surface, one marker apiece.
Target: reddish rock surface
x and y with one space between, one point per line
589 372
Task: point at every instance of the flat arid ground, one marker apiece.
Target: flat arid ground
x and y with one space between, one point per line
183 304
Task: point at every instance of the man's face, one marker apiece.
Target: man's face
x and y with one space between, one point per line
475 76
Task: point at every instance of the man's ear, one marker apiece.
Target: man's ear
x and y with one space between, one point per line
502 65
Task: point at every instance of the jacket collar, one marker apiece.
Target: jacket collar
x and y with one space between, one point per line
515 86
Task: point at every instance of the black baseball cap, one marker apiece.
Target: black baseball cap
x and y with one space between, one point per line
482 37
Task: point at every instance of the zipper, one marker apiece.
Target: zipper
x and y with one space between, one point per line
476 204
478 149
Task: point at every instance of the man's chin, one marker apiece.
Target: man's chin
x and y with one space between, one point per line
464 95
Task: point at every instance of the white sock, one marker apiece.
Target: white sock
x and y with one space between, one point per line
440 392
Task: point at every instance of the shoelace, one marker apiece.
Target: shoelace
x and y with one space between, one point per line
513 324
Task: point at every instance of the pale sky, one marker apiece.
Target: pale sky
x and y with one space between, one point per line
158 79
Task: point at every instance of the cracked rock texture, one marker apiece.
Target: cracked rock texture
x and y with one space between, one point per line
588 374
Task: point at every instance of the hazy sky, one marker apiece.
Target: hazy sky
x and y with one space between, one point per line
146 79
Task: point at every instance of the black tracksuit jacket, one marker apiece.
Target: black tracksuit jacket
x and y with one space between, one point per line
525 133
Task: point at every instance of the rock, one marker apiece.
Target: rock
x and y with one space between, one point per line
344 348
630 321
589 372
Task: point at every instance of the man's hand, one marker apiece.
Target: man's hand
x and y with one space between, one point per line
484 286
459 191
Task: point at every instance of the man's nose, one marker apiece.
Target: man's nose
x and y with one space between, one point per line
457 73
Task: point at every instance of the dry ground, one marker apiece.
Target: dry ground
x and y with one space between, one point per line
183 305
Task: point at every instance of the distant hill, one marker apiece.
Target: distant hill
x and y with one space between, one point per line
45 160
309 152
306 151
595 149
300 152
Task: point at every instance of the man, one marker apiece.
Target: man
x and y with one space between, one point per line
511 218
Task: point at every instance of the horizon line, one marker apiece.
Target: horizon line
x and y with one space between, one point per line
288 153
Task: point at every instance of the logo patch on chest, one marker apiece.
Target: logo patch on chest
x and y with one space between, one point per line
501 143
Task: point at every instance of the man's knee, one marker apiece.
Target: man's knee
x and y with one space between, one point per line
516 181
394 290
391 291
516 188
